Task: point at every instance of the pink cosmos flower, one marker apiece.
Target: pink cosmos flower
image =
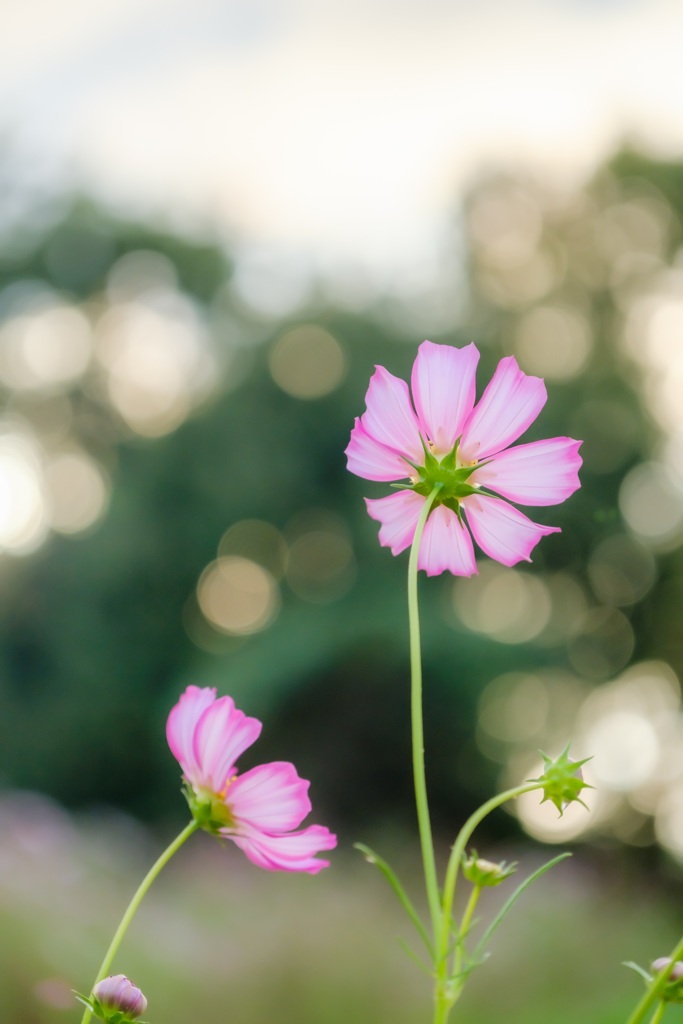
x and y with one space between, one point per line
442 437
258 810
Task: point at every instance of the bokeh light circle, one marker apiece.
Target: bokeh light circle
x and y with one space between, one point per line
238 596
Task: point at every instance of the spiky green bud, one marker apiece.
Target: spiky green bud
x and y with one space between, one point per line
562 780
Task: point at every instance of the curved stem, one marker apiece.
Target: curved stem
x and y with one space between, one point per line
659 1013
447 991
135 903
417 725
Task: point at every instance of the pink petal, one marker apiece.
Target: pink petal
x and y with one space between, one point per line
398 513
270 797
446 545
443 386
501 530
509 405
540 473
389 417
221 735
294 851
182 722
371 460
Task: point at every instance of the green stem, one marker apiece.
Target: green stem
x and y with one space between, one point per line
659 1013
419 779
655 989
447 991
135 903
463 930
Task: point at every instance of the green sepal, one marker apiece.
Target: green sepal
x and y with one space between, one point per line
209 811
484 873
107 1016
391 877
562 780
448 461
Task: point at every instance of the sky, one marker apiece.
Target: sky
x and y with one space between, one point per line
338 133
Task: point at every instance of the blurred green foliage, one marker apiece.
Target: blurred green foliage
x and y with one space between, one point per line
216 941
99 630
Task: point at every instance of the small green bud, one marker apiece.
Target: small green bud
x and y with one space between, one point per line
482 873
562 780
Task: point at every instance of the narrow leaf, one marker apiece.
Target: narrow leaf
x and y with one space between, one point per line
507 906
393 881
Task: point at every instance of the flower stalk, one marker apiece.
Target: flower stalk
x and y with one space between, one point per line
417 723
135 903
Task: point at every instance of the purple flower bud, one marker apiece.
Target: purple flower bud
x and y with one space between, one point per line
118 993
676 972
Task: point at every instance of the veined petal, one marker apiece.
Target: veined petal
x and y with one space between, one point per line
371 460
443 386
446 545
294 851
509 405
398 513
540 473
502 531
181 725
221 735
389 417
271 797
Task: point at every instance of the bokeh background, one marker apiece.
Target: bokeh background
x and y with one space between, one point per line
216 217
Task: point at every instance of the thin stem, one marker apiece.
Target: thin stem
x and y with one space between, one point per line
419 779
659 1013
465 925
135 903
656 987
446 991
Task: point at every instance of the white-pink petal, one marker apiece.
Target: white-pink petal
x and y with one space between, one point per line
398 513
389 417
540 473
446 545
182 722
509 405
502 531
295 851
443 385
271 797
221 735
372 460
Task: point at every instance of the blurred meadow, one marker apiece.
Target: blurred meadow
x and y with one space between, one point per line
212 229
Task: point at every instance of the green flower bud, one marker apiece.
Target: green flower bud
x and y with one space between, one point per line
481 872
562 780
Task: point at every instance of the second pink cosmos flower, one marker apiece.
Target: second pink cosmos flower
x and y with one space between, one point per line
443 438
259 810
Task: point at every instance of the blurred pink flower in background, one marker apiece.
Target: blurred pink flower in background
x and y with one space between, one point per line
258 810
442 437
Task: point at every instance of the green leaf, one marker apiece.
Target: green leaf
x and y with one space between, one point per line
647 978
507 906
393 881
